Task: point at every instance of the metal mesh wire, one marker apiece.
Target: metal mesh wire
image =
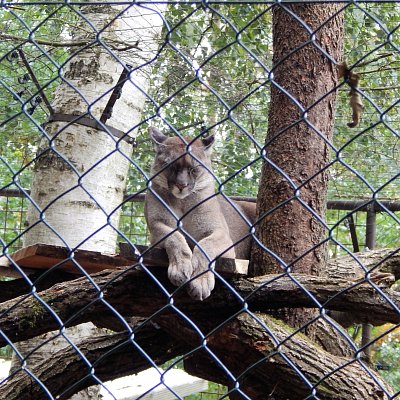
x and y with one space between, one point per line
81 83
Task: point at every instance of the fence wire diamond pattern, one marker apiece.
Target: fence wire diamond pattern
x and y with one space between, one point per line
209 187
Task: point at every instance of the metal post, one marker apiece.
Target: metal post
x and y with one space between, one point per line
370 235
370 242
353 233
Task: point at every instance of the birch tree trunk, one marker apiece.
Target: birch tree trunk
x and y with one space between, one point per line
80 173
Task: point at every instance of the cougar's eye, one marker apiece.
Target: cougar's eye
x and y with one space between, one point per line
193 170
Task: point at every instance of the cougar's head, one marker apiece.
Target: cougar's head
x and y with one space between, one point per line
180 168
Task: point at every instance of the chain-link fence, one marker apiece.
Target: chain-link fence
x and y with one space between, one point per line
201 186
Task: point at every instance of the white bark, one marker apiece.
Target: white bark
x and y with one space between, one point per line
79 179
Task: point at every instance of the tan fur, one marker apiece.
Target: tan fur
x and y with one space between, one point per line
209 224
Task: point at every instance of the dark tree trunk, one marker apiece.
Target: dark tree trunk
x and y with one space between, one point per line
292 195
295 144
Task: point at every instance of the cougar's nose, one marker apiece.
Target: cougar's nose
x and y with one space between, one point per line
181 186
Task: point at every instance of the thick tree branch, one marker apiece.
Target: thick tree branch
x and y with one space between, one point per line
112 356
268 360
133 292
346 267
264 356
41 281
354 267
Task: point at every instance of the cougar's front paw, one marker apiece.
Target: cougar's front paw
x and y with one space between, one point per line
180 270
200 288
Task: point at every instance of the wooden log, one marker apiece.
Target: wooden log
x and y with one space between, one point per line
38 281
269 360
134 292
112 356
257 358
263 355
357 265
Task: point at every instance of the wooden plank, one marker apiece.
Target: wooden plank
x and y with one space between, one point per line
155 256
8 270
44 256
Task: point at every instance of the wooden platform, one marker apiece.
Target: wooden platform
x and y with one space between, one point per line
44 256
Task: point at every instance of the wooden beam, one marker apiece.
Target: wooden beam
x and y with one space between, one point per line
44 257
155 256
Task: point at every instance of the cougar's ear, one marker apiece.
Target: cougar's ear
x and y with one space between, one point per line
208 143
157 137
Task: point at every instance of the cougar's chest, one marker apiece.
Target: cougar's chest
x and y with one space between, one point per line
188 214
183 211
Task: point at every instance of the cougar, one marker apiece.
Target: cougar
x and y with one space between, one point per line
187 218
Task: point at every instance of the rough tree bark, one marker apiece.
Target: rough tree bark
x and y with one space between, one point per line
292 194
296 144
113 356
132 292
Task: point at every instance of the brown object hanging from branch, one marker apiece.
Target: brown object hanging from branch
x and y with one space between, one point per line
352 79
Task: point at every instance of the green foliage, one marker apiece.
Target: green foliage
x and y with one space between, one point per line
387 357
192 87
385 353
371 150
214 392
20 135
6 352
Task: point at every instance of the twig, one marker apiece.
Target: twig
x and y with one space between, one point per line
384 55
74 43
380 88
372 71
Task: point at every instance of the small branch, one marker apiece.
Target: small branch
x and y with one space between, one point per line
74 43
365 63
380 69
381 88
